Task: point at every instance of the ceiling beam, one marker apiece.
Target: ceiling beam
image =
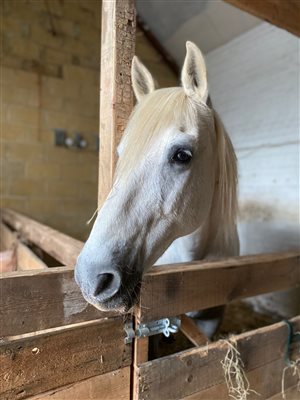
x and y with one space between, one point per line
283 13
166 56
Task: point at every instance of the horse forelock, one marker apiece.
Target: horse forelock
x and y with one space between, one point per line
149 120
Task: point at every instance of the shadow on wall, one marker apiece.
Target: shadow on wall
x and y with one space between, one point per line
264 229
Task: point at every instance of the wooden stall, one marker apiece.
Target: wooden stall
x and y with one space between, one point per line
56 346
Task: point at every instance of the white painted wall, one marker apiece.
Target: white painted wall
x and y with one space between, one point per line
254 84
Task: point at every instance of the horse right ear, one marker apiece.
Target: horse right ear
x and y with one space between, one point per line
142 81
193 75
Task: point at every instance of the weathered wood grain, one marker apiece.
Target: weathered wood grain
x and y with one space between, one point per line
36 300
111 386
35 364
62 247
116 99
191 371
8 238
282 13
265 380
27 259
189 328
179 288
8 261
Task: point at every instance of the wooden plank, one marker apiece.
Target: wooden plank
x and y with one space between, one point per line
35 364
176 289
189 328
27 260
291 393
8 238
285 14
62 247
117 51
265 380
112 385
199 369
8 262
42 299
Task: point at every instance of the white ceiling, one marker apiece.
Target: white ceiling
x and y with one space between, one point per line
208 23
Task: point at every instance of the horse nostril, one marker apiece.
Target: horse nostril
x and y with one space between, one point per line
104 282
107 285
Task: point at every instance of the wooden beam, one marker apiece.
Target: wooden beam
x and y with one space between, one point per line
176 289
166 56
8 261
282 13
198 372
265 380
27 259
189 328
8 238
113 385
35 364
62 247
116 99
42 299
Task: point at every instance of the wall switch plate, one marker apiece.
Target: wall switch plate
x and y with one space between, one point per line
60 137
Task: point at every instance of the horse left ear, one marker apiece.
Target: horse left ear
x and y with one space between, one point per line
142 81
193 75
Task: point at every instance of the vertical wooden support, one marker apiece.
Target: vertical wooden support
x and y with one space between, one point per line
116 98
140 349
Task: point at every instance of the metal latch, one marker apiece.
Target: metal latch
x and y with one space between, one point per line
165 326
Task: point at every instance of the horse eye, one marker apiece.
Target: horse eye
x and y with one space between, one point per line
182 156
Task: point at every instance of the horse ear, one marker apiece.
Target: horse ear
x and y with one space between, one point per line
193 75
142 81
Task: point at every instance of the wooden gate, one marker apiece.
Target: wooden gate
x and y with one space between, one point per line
56 346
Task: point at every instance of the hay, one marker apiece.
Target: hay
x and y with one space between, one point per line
236 380
294 366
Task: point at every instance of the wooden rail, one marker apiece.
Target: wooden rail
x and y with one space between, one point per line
42 299
283 13
40 362
35 300
198 374
176 289
62 247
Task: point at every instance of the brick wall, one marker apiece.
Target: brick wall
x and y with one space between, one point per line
50 79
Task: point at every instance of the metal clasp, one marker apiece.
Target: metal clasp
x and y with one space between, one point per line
165 326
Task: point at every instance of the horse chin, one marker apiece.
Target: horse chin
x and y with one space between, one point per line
119 304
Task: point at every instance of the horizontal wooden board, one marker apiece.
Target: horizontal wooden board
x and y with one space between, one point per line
62 247
291 393
8 238
35 364
42 299
113 385
283 13
8 261
265 380
179 288
27 259
199 369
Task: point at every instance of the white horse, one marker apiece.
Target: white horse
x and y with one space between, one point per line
174 197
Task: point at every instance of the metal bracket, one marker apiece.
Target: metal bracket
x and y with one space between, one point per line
165 326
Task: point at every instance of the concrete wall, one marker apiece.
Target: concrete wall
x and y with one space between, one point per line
254 83
50 63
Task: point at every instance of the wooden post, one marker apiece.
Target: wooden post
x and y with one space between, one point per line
116 99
